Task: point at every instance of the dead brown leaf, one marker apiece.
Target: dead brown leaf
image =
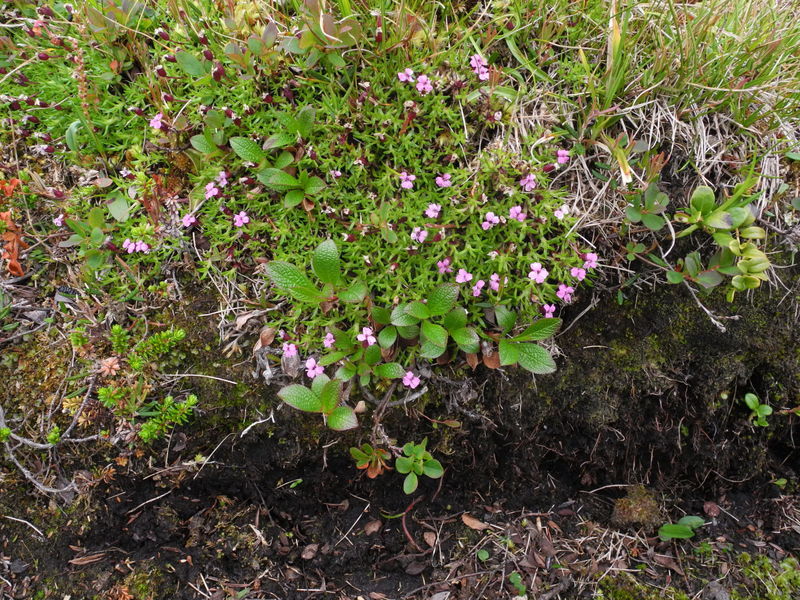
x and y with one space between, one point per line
668 562
373 526
473 523
309 551
88 559
430 538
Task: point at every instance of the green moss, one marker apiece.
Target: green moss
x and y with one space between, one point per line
625 587
638 507
145 584
766 580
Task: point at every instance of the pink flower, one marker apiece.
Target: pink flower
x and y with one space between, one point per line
565 292
407 180
578 273
241 219
443 180
129 246
222 179
444 266
515 212
590 260
59 220
549 310
418 235
424 85
189 220
406 76
433 210
489 221
561 212
313 369
562 156
476 289
335 173
366 336
479 66
463 276
329 340
142 247
538 272
494 281
289 350
156 122
211 190
410 380
528 182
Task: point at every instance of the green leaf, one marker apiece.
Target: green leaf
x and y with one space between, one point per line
509 353
703 200
329 396
692 521
342 418
410 483
318 383
301 398
381 315
96 218
433 468
430 350
277 179
333 357
190 64
279 140
305 120
95 258
119 208
314 186
434 334
709 279
391 370
202 144
355 293
387 336
372 355
97 236
401 318
720 220
793 156
293 198
536 359
674 277
418 310
284 160
403 464
247 149
325 262
505 318
751 400
467 339
346 372
673 531
541 329
455 319
408 332
442 299
634 214
71 136
653 222
287 276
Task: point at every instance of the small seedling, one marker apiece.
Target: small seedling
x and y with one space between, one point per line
759 412
417 461
682 530
515 579
371 459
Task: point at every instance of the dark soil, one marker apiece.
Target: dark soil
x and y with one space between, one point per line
648 393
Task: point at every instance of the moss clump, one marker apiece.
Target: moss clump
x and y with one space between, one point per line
766 580
625 587
144 584
638 507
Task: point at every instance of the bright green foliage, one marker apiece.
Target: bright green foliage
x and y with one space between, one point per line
416 462
154 347
683 529
759 412
323 397
119 338
162 416
372 460
54 435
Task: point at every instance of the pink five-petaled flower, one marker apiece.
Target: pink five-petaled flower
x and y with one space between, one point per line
489 221
418 235
211 190
129 246
494 281
444 266
515 213
335 173
463 276
410 380
407 180
189 220
222 178
479 66
241 219
329 340
424 85
528 182
562 156
538 272
366 336
561 212
142 247
476 289
59 220
590 260
313 369
578 273
549 310
444 180
565 292
406 76
433 210
157 122
289 350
